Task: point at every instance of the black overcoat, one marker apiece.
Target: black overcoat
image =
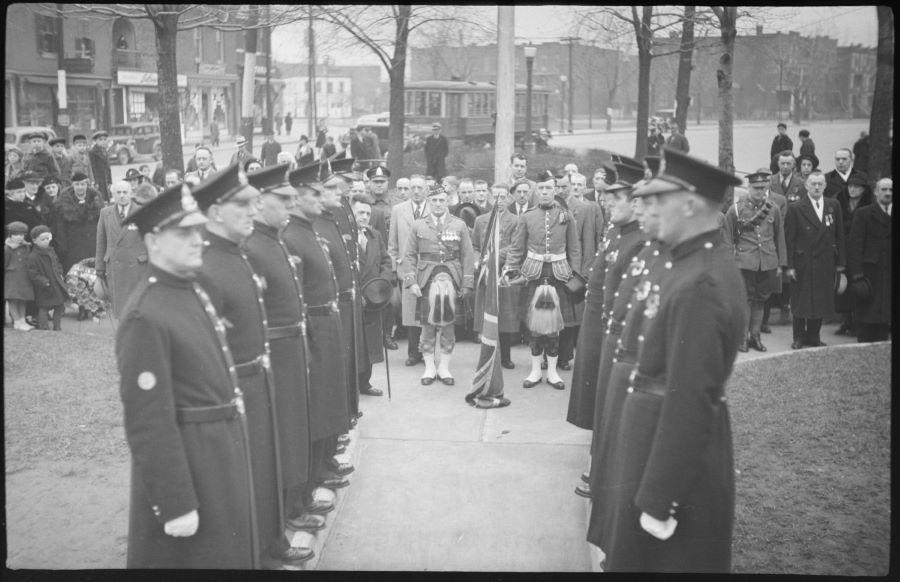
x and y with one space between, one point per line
171 357
869 254
815 249
76 226
374 262
672 455
283 299
843 302
45 272
328 410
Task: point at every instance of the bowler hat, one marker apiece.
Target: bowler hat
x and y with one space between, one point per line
79 177
680 172
133 174
377 293
468 212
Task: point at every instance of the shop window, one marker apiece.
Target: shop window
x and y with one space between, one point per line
136 105
82 104
84 48
220 45
47 34
36 105
198 45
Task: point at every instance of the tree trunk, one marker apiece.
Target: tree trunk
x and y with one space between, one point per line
397 74
685 60
644 36
248 86
880 123
166 25
724 76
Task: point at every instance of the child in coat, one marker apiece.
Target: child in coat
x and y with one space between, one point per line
45 272
17 289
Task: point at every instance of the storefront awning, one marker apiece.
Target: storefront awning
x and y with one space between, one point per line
70 80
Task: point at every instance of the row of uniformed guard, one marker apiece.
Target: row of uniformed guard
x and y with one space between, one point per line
239 354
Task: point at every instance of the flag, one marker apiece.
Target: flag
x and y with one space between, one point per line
487 384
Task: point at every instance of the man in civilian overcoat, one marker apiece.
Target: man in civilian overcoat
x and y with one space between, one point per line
869 265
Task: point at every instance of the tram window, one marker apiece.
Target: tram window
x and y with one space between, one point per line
420 103
454 102
434 104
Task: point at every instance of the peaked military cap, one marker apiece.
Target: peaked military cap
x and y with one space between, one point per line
342 168
625 160
628 176
758 176
679 172
175 207
378 173
221 186
271 180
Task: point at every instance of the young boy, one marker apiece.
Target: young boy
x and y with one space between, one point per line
17 288
45 272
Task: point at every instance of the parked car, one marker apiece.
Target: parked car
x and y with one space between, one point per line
130 140
414 134
15 136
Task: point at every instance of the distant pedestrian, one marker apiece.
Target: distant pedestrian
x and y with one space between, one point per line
807 146
81 159
278 121
436 149
372 148
655 141
46 274
62 159
305 154
329 150
270 150
102 175
677 140
242 154
40 160
781 143
288 122
17 288
214 133
321 134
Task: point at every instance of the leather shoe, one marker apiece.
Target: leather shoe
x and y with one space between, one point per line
353 422
319 506
390 343
340 449
563 366
508 365
586 477
415 360
335 483
743 346
370 391
557 385
529 384
428 381
756 343
340 469
306 522
796 345
584 490
291 556
448 381
818 344
343 439
765 328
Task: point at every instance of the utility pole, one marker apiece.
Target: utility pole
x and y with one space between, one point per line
311 104
267 126
571 40
62 119
505 130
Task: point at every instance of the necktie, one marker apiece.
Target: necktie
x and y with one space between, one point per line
887 209
784 185
521 209
121 213
418 211
362 241
818 210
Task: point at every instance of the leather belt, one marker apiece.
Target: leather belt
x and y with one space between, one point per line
347 295
293 330
327 309
214 413
626 356
437 257
615 326
255 366
644 383
546 258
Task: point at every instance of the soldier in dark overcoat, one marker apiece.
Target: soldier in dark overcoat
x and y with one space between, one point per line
869 265
192 503
285 331
671 469
814 235
328 410
235 290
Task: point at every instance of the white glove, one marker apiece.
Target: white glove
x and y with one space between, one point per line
415 290
662 530
183 526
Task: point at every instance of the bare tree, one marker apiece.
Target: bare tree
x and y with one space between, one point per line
685 60
727 16
168 20
881 121
444 42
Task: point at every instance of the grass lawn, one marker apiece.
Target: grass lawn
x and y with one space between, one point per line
813 451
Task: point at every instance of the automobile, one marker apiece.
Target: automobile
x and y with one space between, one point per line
130 140
414 135
15 136
663 118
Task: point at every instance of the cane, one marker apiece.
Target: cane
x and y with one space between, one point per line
387 368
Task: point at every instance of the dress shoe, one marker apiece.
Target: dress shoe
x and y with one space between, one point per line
340 449
353 422
742 347
508 365
817 344
306 522
584 490
449 381
319 506
557 385
756 343
291 556
390 343
414 360
586 477
428 381
796 345
343 439
335 483
370 391
765 328
564 366
530 383
339 469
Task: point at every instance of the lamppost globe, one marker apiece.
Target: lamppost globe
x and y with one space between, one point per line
530 52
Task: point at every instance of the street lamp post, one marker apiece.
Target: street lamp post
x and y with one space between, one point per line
530 52
562 103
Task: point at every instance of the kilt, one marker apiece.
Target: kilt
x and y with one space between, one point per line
760 284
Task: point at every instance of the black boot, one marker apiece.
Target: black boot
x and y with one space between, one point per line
756 343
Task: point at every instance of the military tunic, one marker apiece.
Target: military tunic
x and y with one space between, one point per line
755 233
672 453
171 359
328 412
236 293
286 333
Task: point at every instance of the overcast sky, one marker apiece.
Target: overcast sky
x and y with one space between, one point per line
543 23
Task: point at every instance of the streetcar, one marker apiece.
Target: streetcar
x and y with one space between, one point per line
466 110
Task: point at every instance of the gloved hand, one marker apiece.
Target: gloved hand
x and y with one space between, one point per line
415 290
661 530
183 526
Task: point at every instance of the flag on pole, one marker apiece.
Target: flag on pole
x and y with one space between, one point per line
487 384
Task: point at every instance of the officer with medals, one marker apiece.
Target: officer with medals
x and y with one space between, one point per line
670 473
439 264
754 230
328 411
546 253
285 331
606 275
189 508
